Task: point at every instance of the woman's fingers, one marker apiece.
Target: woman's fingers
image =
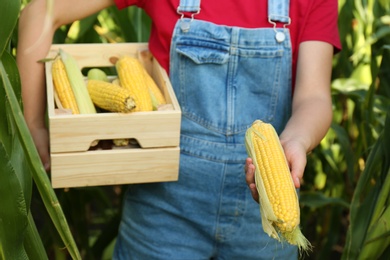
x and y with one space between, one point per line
250 178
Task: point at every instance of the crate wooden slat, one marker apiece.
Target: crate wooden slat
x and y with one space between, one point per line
111 167
157 132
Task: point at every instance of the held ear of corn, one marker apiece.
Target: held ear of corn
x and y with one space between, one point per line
77 82
62 86
132 77
278 199
110 96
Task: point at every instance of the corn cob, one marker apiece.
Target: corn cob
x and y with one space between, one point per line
77 82
131 76
110 97
98 74
121 141
62 86
279 206
154 91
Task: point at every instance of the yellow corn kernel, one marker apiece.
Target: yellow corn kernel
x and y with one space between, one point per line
132 77
77 82
154 91
279 205
110 97
121 142
62 86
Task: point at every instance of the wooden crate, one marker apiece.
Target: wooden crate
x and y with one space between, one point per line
154 159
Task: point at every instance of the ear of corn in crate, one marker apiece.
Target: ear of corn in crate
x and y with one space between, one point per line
62 86
110 96
77 82
78 88
132 76
278 199
98 74
104 96
133 90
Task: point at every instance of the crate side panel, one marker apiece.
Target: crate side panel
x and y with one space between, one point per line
101 54
150 129
114 167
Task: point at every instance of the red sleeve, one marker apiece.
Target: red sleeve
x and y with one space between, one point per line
322 23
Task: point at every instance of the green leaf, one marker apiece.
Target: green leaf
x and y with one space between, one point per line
7 129
383 73
32 157
134 23
9 11
13 213
124 22
18 163
378 238
33 242
367 196
318 199
345 145
12 74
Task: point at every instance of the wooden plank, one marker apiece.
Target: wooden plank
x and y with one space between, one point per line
111 167
71 133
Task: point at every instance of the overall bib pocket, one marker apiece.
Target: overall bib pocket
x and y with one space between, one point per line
217 81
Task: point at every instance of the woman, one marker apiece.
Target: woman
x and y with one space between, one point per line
230 63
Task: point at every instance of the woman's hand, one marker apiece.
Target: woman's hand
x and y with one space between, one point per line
41 140
295 153
250 178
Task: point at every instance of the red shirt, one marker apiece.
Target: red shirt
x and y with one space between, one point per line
310 20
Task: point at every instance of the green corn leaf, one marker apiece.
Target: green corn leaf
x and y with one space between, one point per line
363 203
318 199
378 237
13 213
21 172
32 241
345 145
39 174
8 17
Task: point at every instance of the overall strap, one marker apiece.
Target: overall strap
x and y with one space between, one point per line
192 6
278 11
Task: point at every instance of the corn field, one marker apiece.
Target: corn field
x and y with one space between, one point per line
345 199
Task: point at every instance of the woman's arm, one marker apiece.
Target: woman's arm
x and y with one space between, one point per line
312 106
311 110
33 45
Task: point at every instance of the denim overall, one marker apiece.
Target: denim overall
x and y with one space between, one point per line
224 78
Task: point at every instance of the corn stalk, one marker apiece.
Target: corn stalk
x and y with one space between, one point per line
369 231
